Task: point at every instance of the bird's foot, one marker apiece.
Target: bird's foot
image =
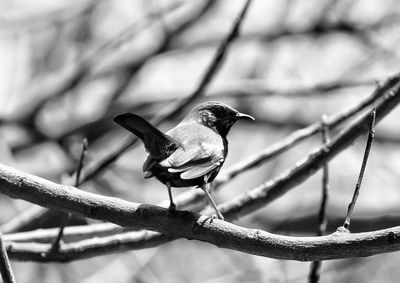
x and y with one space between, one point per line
172 208
218 216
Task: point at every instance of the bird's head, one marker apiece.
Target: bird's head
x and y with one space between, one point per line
217 116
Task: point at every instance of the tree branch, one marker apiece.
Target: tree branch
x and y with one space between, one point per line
352 204
71 233
5 266
66 215
191 225
315 270
88 248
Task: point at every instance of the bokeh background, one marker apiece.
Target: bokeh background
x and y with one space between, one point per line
293 62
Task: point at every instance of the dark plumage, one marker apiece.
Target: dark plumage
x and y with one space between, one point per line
190 154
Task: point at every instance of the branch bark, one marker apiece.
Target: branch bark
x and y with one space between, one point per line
191 225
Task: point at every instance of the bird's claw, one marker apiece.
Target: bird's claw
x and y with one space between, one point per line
172 208
220 217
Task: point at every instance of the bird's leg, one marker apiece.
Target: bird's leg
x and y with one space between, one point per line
205 188
172 206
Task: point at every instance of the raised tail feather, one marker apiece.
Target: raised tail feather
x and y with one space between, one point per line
156 143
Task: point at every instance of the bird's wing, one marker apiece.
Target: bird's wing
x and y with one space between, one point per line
201 150
200 170
181 158
194 162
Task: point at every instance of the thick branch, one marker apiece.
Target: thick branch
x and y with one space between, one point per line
303 224
192 225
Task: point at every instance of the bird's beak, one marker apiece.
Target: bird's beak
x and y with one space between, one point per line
242 116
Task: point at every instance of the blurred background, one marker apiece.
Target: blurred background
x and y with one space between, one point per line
67 68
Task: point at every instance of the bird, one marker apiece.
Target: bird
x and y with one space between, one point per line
191 153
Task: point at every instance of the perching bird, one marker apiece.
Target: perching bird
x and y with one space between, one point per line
192 153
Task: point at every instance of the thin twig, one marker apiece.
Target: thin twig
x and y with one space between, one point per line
304 224
371 135
87 248
71 233
322 220
259 88
67 215
5 266
22 219
315 272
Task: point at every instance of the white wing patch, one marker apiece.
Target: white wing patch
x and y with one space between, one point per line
199 170
185 163
196 170
180 157
177 170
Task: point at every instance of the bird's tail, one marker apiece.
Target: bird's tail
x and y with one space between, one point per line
156 143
